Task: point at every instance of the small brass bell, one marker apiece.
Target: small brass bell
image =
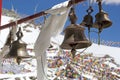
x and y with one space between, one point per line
88 19
74 36
18 48
102 20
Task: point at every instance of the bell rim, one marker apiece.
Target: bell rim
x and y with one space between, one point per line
69 47
8 56
78 42
95 25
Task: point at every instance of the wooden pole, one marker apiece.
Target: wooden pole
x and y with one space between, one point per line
22 20
34 16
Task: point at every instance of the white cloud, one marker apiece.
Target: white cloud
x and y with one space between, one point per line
111 1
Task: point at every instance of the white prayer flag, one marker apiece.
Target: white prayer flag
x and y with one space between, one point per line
53 25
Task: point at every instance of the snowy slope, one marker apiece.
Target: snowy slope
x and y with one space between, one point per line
30 38
97 50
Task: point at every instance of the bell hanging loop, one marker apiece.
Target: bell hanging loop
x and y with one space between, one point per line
72 16
73 52
19 34
100 5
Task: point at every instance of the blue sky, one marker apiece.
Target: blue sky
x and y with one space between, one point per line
112 33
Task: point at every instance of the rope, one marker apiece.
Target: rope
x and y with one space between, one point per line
98 38
89 2
83 50
88 22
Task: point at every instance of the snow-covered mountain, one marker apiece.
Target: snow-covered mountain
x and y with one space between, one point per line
31 36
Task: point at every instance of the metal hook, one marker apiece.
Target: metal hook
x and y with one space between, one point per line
89 10
100 5
72 16
19 34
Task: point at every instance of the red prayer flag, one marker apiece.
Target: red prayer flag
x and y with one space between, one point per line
0 10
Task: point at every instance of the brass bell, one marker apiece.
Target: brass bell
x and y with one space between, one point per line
87 21
18 48
102 20
75 38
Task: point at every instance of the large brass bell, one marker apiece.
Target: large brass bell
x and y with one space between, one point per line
75 38
18 49
102 20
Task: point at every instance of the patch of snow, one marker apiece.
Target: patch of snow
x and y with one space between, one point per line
101 49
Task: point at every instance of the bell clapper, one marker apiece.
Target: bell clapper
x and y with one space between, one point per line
18 60
73 51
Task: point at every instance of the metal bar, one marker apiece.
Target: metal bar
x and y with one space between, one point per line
34 16
22 20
